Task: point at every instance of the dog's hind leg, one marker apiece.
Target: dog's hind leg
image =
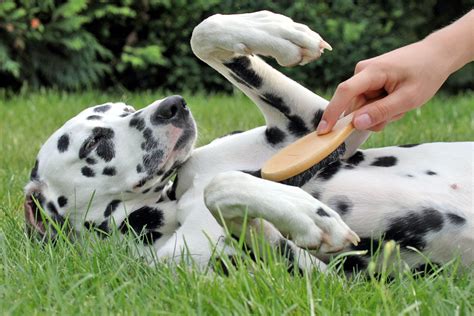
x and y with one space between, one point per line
295 213
230 43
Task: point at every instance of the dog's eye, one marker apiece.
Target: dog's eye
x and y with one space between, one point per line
90 144
93 142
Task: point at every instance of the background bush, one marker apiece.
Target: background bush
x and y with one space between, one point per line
80 44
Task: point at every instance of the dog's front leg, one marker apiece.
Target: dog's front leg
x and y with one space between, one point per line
230 44
297 215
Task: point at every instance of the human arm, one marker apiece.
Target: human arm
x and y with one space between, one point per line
385 87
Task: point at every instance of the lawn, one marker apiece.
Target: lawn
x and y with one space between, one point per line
103 278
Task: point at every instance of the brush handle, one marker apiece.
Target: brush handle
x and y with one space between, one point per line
306 152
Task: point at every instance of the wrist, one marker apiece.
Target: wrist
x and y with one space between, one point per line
453 45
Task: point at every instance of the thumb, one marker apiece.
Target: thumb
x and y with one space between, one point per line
379 111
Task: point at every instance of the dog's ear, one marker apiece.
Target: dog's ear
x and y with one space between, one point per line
33 218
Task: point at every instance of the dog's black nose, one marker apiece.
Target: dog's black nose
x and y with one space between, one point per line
170 107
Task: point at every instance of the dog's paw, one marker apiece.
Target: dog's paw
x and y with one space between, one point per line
328 232
261 33
296 214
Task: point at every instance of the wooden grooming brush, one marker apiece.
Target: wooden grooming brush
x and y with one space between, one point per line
308 151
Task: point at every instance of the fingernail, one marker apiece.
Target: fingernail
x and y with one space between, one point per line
323 125
363 121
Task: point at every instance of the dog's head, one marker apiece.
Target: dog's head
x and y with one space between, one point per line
103 156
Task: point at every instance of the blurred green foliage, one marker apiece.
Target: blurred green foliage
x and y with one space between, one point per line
76 44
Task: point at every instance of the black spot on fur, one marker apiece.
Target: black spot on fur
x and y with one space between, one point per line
408 145
241 67
52 208
101 139
321 212
456 219
103 132
125 114
410 176
63 143
87 172
329 171
297 126
276 102
62 201
386 161
354 263
159 188
111 207
146 191
274 135
109 171
34 171
139 168
356 158
238 80
106 150
430 173
410 230
151 161
102 230
317 117
102 108
142 182
150 237
94 117
369 244
150 143
341 204
91 161
137 123
142 222
359 262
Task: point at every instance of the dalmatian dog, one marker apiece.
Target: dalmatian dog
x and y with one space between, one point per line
114 170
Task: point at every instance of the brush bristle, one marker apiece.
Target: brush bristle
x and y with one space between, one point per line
305 176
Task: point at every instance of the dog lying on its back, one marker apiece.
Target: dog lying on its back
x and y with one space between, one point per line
420 196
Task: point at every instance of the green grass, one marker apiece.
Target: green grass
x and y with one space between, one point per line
103 278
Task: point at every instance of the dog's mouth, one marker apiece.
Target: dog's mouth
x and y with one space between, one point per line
40 224
34 224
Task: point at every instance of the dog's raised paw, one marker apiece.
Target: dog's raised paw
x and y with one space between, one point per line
261 33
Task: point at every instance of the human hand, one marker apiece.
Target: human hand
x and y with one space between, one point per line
385 87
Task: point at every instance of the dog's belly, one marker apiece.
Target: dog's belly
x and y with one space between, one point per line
420 196
396 180
383 184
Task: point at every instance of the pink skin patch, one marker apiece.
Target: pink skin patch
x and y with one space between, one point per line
173 136
454 186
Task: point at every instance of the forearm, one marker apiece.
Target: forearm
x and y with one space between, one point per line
455 43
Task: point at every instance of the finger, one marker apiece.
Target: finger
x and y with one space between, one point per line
363 99
397 117
379 111
345 92
378 127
